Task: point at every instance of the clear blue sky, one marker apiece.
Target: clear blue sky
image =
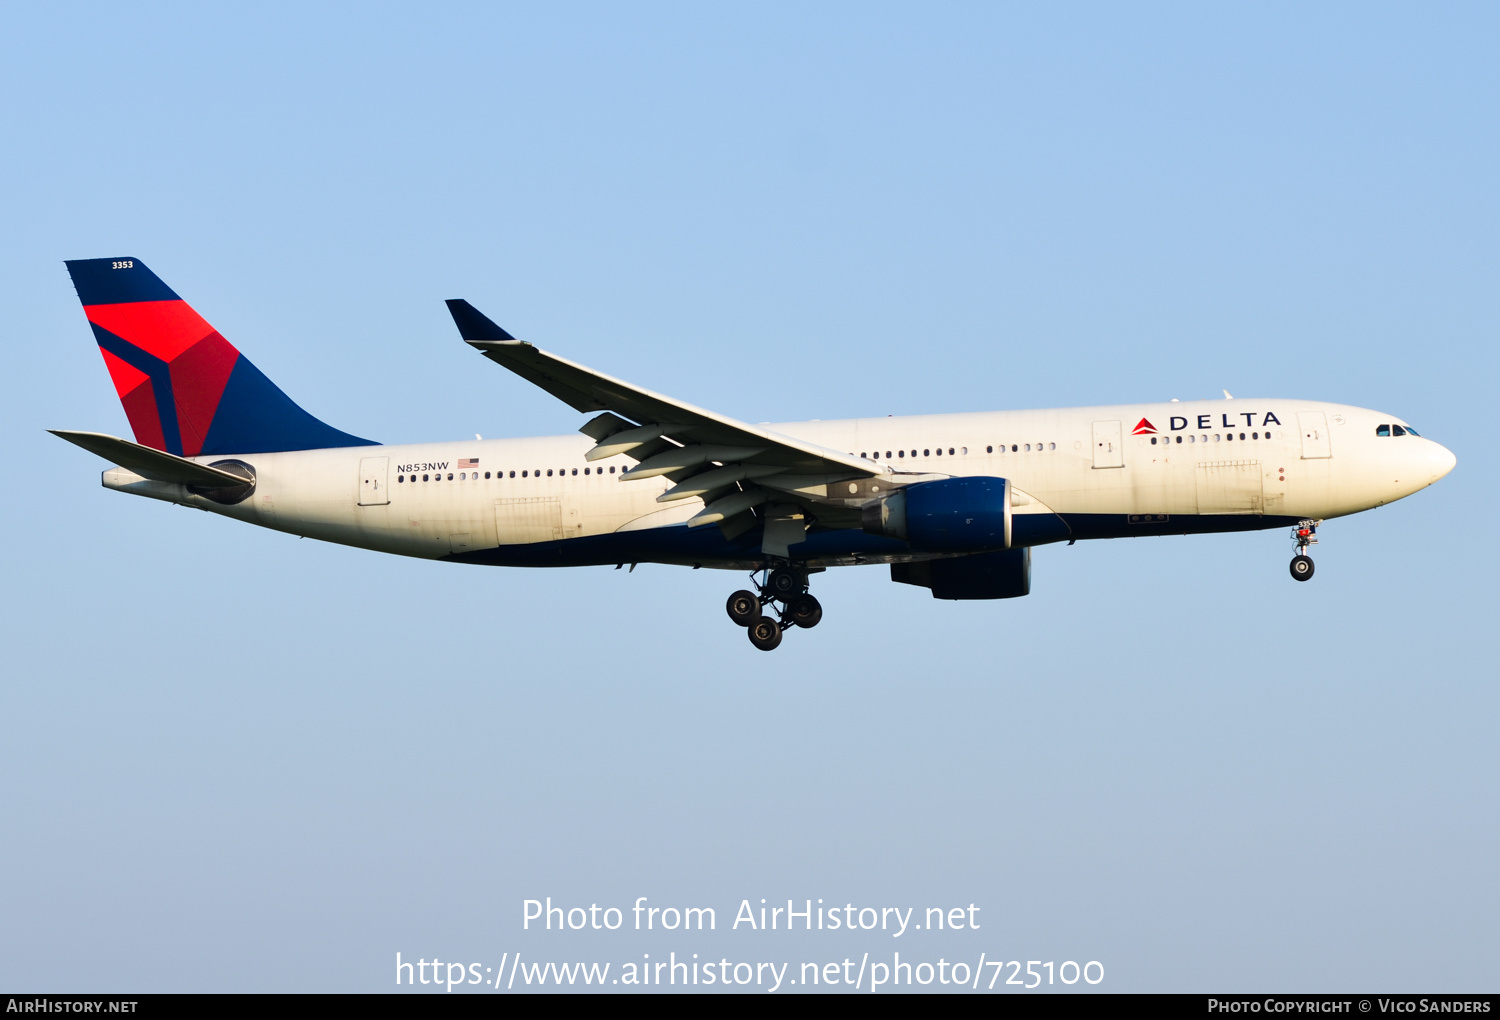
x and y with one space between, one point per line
230 759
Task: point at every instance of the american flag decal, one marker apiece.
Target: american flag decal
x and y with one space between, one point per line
468 462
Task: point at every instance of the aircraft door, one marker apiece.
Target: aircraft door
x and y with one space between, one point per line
1109 445
374 473
1314 425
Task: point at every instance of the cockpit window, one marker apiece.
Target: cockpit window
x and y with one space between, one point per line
1382 430
1411 431
1397 430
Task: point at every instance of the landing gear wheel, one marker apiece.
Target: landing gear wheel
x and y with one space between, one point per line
765 634
1302 567
805 610
784 583
743 607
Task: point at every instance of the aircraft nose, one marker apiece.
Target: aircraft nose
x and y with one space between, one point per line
1442 460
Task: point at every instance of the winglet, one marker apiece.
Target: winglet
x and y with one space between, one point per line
475 325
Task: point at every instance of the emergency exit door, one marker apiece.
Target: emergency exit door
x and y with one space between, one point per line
1314 425
1109 448
373 475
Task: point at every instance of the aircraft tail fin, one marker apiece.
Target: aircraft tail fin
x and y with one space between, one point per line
186 390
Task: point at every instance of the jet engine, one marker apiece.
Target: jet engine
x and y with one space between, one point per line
993 575
950 515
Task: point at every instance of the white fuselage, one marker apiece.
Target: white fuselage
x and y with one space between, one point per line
1207 465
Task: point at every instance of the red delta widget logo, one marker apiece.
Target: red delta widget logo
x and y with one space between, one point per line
1178 423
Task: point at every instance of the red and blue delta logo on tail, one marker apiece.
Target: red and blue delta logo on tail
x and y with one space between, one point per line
186 389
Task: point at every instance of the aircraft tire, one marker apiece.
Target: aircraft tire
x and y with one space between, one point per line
785 583
743 607
765 634
1302 567
805 610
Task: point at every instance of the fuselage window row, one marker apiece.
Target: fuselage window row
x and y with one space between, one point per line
499 475
958 451
1227 437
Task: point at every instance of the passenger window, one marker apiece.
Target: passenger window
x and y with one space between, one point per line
1383 430
611 470
1397 430
1192 439
1179 440
914 453
513 474
1013 448
450 476
1153 440
901 453
1028 447
1216 437
989 449
950 450
400 478
1051 446
575 471
963 450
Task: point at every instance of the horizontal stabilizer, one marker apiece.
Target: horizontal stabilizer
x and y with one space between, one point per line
149 463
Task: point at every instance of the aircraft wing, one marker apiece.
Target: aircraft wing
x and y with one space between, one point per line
707 455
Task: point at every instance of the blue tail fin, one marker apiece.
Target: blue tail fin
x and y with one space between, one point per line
186 389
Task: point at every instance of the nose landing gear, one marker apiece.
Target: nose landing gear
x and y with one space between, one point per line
1303 534
785 591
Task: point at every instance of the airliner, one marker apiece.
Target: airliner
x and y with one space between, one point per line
949 502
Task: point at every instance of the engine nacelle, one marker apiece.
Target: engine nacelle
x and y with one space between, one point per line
949 515
1005 574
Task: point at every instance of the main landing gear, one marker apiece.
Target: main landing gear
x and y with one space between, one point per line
1303 534
784 590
